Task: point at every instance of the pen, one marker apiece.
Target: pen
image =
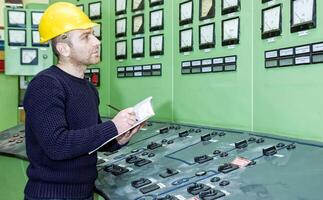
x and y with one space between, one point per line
114 108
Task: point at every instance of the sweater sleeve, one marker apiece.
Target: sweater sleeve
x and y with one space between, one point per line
45 110
111 146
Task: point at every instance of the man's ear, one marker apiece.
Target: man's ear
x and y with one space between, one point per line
63 49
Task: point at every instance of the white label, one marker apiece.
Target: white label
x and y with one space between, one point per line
302 60
121 69
231 14
318 47
13 48
138 58
230 67
129 69
95 70
161 185
87 71
196 63
186 64
270 40
180 197
303 49
210 185
43 49
286 52
231 46
271 54
156 66
137 68
156 57
230 59
207 50
302 33
121 60
217 60
206 69
207 62
271 3
146 67
186 53
138 74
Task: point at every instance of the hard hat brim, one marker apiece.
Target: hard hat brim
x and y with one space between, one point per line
82 27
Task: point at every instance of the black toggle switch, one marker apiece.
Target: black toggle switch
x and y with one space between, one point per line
149 188
115 169
280 145
216 152
142 162
224 183
224 154
198 130
163 130
170 142
153 145
169 172
227 167
211 194
214 133
196 188
164 141
251 139
206 137
132 159
140 182
151 155
290 146
241 144
260 140
221 134
269 151
202 159
183 134
215 179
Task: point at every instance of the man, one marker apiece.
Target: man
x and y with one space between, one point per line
62 118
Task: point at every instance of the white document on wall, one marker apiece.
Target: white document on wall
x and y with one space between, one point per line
143 111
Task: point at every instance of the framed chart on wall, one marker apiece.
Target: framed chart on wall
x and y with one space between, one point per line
303 15
16 18
1 33
95 10
16 37
271 25
35 18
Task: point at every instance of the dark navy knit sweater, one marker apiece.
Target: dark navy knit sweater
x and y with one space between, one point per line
62 126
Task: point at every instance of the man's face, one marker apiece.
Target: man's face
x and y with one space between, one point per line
85 47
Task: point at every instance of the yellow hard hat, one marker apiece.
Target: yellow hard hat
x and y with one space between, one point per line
60 18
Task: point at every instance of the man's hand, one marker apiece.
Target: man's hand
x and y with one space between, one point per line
124 120
123 139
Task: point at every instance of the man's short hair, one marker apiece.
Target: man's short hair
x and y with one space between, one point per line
63 38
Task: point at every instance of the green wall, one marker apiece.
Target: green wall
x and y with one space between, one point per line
284 101
289 100
8 101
